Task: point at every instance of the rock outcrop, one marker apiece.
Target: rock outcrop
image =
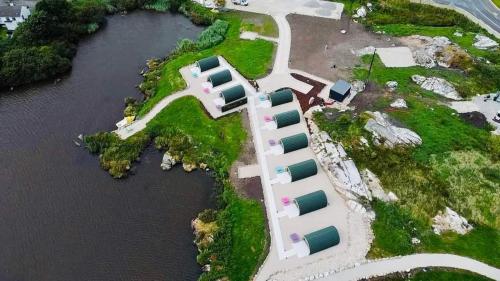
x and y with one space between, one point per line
387 134
391 85
431 51
399 103
450 220
167 161
437 85
188 167
373 183
484 43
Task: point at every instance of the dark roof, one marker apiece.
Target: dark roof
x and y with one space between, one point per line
281 97
208 63
311 202
233 93
294 142
341 87
322 239
10 11
287 118
303 170
220 78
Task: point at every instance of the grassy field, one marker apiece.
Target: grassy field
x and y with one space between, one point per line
253 59
496 2
467 85
217 142
3 33
262 24
434 274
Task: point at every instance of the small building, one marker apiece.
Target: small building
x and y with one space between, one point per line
340 90
311 202
294 142
302 170
11 16
208 63
281 97
233 94
322 239
220 78
286 118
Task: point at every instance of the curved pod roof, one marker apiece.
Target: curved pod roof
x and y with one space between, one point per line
233 93
220 78
311 202
287 118
294 142
208 63
302 170
322 239
281 97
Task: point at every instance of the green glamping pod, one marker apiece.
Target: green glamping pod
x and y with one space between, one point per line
322 239
287 118
281 97
303 170
220 78
311 202
208 63
232 94
294 142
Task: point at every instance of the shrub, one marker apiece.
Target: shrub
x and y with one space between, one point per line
213 35
208 215
198 14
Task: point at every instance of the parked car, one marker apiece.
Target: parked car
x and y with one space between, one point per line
496 118
240 2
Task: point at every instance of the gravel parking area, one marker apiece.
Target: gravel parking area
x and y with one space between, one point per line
317 45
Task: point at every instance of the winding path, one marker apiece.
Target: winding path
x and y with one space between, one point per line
404 263
280 76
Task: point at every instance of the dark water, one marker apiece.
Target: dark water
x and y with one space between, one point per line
61 216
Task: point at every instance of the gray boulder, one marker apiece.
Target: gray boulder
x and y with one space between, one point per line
483 42
167 162
388 134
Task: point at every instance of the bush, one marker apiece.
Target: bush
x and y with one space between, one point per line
208 215
213 35
198 14
26 65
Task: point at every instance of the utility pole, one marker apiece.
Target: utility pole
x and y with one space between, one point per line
371 65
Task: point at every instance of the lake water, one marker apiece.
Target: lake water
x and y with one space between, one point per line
61 216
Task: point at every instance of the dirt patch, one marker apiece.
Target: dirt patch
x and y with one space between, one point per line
317 45
370 99
310 99
475 118
249 187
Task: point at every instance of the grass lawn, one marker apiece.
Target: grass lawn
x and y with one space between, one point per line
260 23
249 238
465 85
215 140
394 227
3 33
434 274
252 59
496 2
466 41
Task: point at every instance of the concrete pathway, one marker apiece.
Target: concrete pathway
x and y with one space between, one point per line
400 264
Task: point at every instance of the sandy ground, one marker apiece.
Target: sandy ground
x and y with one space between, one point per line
311 35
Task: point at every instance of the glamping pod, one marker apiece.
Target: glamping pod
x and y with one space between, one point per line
281 97
233 94
340 90
220 78
294 142
322 239
302 170
311 202
287 118
208 63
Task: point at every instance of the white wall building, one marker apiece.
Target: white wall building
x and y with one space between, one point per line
11 16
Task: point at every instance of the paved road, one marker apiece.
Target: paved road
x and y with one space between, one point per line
483 10
399 264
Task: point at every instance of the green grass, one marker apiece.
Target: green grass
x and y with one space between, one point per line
217 142
249 237
3 33
466 41
433 274
260 23
394 227
465 85
497 3
252 59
